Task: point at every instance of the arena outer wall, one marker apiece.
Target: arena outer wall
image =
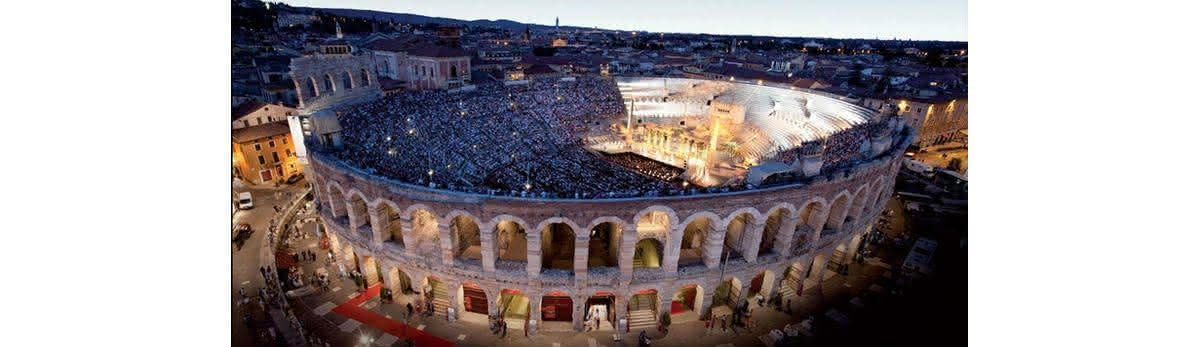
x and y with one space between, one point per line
830 212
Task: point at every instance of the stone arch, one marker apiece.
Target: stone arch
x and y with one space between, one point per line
557 244
391 222
424 232
314 90
757 217
357 211
509 240
763 283
337 198
774 229
687 297
873 193
347 81
739 229
858 204
473 298
329 85
671 215
696 240
466 237
366 77
604 242
648 253
811 220
838 210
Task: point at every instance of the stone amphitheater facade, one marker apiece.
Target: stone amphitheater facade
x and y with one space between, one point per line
400 233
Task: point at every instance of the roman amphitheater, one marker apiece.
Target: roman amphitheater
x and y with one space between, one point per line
619 197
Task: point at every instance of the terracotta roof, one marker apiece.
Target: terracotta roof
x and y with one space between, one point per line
256 132
246 108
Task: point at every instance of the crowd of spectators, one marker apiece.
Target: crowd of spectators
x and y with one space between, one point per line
521 140
495 139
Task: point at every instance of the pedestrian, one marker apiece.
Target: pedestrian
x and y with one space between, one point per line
788 309
410 309
503 329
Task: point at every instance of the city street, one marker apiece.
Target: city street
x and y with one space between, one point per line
246 261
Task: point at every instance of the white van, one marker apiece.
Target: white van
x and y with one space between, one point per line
245 202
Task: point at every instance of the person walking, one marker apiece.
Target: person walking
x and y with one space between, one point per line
503 328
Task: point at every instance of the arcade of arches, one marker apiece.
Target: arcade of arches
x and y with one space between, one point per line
586 271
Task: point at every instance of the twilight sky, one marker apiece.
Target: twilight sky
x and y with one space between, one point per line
884 19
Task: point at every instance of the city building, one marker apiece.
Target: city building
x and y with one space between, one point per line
264 153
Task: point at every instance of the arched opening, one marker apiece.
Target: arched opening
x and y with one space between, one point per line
514 308
337 204
510 242
453 71
371 271
401 283
392 225
366 78
643 310
425 234
557 307
358 213
599 311
313 91
857 206
837 214
807 226
558 248
347 84
687 302
734 237
761 287
793 282
771 230
726 297
467 244
814 269
604 242
473 300
350 259
436 292
648 254
329 83
691 249
838 261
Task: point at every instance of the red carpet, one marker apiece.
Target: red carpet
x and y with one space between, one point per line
677 307
351 310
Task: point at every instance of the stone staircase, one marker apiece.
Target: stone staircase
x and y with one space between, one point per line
441 300
641 313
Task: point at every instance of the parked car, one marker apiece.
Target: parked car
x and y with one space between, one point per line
295 178
245 201
241 231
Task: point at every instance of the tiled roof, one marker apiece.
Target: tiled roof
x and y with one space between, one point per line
256 132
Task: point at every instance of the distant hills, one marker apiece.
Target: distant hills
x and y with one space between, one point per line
408 18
